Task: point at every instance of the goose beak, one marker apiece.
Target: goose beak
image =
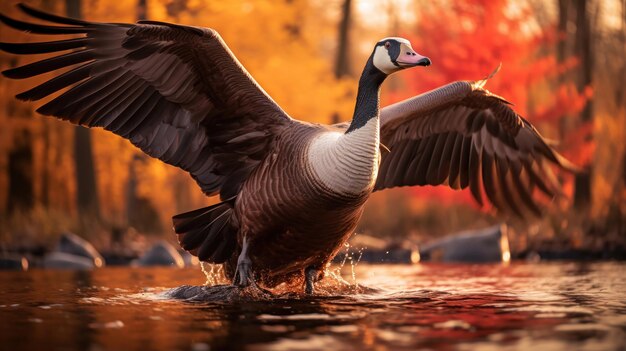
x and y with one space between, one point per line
412 59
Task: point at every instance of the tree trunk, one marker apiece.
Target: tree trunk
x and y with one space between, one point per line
342 66
45 168
583 49
142 10
131 190
619 206
561 49
86 190
21 195
565 124
46 178
131 186
342 63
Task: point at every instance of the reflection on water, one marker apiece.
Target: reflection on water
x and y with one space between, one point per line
427 306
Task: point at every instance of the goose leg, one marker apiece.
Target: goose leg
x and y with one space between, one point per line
243 274
311 276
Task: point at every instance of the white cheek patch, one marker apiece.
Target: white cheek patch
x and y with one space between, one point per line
382 61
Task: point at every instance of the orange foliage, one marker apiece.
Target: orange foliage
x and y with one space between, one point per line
468 40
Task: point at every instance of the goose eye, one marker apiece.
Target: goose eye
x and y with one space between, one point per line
387 45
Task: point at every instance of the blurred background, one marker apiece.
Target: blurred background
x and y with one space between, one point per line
563 68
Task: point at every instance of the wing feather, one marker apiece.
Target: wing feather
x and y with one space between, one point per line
426 156
465 162
455 162
174 91
474 174
410 172
465 136
433 166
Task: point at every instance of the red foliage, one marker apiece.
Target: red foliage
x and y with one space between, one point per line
468 40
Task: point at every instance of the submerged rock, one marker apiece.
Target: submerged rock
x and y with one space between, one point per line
73 244
218 293
62 260
476 246
161 254
13 262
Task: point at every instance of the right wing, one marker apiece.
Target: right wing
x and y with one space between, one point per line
463 136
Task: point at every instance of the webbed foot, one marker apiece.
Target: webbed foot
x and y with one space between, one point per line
311 276
244 275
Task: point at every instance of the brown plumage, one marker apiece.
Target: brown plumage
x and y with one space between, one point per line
463 136
292 192
147 83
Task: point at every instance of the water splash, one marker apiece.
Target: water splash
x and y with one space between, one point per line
214 274
335 279
217 287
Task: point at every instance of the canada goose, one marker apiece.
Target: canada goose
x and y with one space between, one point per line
292 192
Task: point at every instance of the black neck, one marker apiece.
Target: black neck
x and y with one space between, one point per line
368 96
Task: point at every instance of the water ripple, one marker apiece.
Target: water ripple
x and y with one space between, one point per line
386 307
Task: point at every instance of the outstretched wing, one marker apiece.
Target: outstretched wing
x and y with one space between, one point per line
463 136
176 92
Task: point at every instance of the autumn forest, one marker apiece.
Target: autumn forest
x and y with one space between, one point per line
562 66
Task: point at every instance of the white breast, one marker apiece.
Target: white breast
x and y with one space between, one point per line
346 163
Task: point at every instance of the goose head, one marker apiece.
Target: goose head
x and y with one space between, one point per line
395 54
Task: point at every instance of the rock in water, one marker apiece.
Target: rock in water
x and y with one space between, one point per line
161 254
218 293
13 262
72 244
62 260
486 245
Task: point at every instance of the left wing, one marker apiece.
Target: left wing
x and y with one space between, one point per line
463 136
176 92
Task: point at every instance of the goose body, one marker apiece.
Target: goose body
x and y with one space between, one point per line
291 192
297 218
306 197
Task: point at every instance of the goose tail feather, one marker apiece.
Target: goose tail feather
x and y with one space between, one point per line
208 232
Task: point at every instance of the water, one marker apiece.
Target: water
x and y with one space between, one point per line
546 306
